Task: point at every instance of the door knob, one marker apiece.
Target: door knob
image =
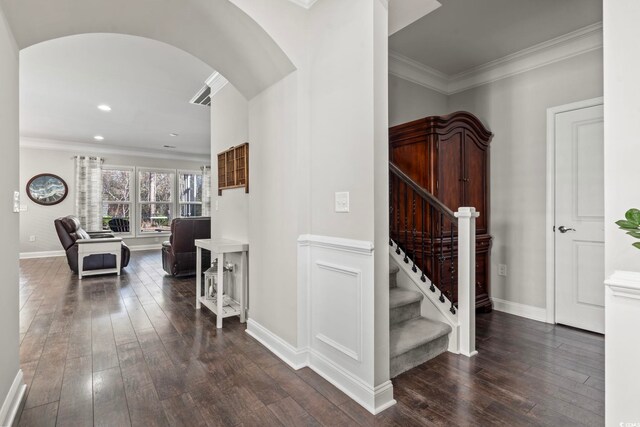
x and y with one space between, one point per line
564 229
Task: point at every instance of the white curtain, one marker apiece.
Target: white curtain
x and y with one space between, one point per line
89 192
206 190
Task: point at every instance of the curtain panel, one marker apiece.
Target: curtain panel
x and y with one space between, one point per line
206 190
88 187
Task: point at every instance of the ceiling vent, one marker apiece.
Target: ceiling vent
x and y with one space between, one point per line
203 97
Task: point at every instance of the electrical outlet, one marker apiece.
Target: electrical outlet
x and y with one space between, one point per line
502 269
32 238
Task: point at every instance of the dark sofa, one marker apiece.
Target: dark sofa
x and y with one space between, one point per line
179 253
69 231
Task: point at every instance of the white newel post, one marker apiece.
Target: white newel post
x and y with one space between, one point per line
467 279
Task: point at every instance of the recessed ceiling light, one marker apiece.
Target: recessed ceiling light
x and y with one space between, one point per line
104 107
99 138
173 134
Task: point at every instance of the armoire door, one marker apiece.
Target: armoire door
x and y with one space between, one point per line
475 180
451 170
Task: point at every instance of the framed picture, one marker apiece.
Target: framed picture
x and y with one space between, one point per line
47 189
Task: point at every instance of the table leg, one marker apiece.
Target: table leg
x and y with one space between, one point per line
118 260
220 290
198 275
243 287
80 263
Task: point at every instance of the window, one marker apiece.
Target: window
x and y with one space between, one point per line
117 199
155 192
190 193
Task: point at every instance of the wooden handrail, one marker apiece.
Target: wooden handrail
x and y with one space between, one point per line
422 192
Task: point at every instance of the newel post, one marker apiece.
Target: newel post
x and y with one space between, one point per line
467 279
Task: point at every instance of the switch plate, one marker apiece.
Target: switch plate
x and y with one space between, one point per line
16 202
342 201
502 269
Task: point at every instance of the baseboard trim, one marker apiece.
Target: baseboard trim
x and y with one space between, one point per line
42 254
522 310
137 248
13 401
374 400
53 254
292 356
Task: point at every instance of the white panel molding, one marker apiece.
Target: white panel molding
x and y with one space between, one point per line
558 49
13 401
42 254
356 275
351 371
522 310
624 284
294 357
336 243
80 147
216 82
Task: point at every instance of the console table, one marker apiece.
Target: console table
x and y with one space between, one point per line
218 248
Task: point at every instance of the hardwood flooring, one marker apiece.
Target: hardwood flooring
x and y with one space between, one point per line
134 351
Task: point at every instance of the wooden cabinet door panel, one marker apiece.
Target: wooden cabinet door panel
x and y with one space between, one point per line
450 171
475 188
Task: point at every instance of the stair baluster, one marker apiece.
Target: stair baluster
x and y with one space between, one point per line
453 270
406 223
441 263
413 231
424 264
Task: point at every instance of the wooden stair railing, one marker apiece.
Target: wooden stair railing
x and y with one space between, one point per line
437 242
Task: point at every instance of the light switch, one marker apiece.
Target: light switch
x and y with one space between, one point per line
16 201
342 201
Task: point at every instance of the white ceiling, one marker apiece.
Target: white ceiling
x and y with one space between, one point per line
147 83
462 34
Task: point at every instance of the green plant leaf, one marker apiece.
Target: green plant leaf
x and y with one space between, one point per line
633 215
635 234
627 225
637 245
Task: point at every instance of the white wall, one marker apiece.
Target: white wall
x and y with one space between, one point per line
38 220
9 361
229 127
621 152
515 111
409 101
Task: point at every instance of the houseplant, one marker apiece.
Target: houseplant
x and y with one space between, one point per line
631 224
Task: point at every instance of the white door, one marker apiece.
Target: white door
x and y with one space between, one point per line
579 218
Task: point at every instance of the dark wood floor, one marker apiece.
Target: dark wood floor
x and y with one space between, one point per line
133 351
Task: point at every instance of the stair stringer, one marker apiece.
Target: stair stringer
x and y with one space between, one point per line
430 308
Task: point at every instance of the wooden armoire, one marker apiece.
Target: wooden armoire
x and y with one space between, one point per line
449 157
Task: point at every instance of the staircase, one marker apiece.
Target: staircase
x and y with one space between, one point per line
413 339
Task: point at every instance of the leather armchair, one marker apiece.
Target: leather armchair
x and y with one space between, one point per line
179 253
70 232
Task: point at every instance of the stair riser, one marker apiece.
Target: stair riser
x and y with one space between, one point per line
404 312
418 355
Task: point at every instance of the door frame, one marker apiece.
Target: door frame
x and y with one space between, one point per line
551 197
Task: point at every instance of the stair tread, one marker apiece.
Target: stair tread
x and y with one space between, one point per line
399 297
413 333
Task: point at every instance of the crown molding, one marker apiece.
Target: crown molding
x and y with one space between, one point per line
558 49
418 73
216 82
304 3
80 147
